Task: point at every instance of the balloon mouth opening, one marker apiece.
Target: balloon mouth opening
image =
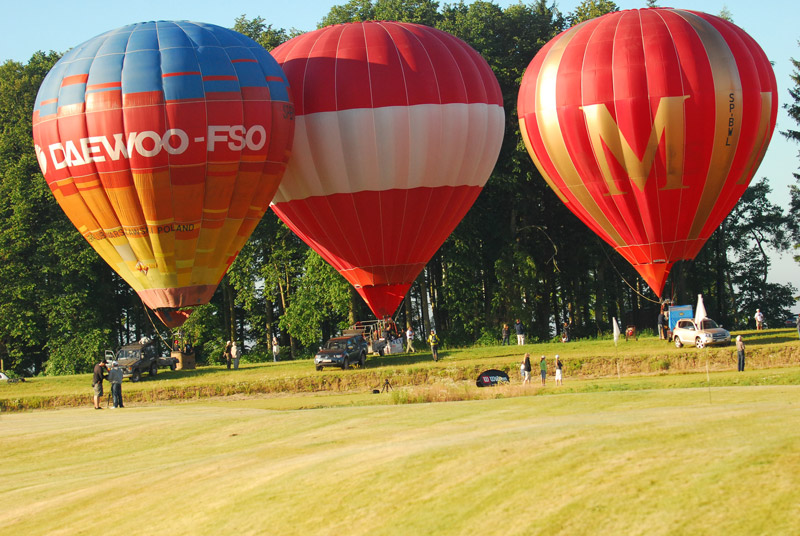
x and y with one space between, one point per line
172 318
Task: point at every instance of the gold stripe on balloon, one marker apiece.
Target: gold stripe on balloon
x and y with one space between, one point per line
728 121
763 136
526 139
553 139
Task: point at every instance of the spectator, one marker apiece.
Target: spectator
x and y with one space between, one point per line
276 349
740 352
526 369
759 316
506 333
433 340
520 329
226 355
543 368
410 340
235 353
662 321
558 371
97 381
115 377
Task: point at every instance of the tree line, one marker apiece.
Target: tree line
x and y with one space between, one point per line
518 254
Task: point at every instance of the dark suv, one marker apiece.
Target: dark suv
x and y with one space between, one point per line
342 352
138 358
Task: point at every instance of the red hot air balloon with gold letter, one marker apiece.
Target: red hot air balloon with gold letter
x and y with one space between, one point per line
398 128
649 124
164 143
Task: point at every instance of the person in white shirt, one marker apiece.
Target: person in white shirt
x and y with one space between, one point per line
410 340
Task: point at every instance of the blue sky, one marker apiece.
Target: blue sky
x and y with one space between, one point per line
28 26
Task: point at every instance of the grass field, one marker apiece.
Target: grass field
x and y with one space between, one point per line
663 453
667 461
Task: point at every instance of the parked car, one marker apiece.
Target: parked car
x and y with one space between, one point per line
138 358
708 333
790 322
342 352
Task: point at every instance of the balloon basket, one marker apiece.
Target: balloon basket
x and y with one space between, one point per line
185 361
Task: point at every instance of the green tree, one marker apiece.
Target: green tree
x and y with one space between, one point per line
51 277
792 107
591 9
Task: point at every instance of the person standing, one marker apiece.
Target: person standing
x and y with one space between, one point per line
433 340
740 352
543 368
235 353
526 369
520 329
276 349
410 341
759 316
115 377
97 381
506 333
558 371
662 320
227 354
798 324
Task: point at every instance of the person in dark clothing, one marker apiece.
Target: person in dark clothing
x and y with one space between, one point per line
98 376
520 329
740 352
662 321
506 334
115 377
227 354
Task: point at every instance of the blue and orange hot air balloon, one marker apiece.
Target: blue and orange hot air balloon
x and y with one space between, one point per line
649 125
399 126
164 143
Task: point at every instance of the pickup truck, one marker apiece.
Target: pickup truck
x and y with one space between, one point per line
140 357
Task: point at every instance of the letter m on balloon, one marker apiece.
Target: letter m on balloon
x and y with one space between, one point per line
607 137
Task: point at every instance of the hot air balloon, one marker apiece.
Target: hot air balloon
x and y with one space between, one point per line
649 124
164 143
398 128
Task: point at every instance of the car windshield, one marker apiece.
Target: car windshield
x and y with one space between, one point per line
709 324
128 354
334 345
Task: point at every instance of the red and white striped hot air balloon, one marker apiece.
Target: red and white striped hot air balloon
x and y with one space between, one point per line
398 127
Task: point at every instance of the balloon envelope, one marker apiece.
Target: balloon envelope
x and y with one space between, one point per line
649 124
398 128
164 143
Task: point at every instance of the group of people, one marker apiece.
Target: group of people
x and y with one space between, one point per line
232 354
525 369
433 341
506 333
113 373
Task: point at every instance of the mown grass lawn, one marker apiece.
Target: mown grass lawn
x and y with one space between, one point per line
720 460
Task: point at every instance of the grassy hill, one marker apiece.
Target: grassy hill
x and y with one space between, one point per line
452 377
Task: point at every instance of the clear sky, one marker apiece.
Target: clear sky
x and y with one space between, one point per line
28 26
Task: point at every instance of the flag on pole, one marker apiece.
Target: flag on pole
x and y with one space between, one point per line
700 314
616 331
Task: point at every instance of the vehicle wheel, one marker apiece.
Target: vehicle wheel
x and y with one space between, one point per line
698 342
172 366
678 343
136 375
346 364
363 362
153 369
319 367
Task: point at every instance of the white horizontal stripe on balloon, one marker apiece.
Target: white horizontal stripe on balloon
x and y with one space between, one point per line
396 147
